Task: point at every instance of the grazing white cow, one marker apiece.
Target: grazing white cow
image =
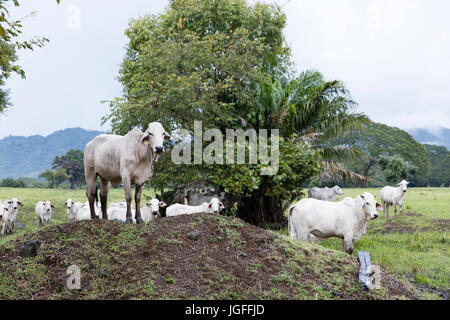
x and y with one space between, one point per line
346 219
214 206
150 210
127 159
44 210
11 223
72 209
6 208
327 194
393 196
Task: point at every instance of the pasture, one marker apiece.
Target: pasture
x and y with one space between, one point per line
413 245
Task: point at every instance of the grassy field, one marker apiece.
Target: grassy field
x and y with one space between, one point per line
414 245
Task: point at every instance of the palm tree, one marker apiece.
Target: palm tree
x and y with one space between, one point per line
311 108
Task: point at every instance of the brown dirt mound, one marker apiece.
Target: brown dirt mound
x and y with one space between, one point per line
419 223
198 256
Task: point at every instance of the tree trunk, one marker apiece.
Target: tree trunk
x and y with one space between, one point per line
262 211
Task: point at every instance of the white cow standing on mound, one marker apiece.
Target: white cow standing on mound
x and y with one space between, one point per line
127 159
346 219
393 196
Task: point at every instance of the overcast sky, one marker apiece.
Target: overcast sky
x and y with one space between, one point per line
393 56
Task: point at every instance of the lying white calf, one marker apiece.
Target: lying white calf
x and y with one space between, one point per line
346 219
72 209
121 204
214 206
84 213
44 210
150 211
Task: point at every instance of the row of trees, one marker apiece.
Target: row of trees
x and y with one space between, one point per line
66 167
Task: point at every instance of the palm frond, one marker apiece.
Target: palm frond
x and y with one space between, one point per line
334 171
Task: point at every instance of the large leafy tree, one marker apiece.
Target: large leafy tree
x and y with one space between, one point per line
10 30
218 62
54 178
378 140
73 164
440 165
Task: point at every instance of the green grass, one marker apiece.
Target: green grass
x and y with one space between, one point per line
422 253
29 197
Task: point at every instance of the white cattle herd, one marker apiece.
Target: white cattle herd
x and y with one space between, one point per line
129 160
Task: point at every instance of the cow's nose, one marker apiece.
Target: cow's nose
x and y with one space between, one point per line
155 212
404 190
376 215
215 211
15 208
159 149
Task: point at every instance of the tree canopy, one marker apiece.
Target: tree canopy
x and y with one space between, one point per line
225 63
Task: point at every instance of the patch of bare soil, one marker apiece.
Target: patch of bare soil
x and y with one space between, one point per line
197 256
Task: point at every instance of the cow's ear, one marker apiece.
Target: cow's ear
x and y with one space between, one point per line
51 204
162 204
146 139
362 196
397 185
167 136
20 203
65 203
221 206
148 204
378 206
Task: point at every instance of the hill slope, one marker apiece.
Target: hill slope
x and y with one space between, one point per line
27 156
227 259
437 136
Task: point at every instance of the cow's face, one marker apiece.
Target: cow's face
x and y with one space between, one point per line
338 190
154 137
69 203
47 205
402 185
154 205
370 205
215 205
16 203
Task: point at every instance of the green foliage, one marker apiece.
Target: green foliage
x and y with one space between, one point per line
378 140
440 166
10 31
10 182
198 60
72 162
54 178
395 168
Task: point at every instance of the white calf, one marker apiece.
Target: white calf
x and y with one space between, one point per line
214 206
393 196
44 210
150 211
6 208
72 209
11 223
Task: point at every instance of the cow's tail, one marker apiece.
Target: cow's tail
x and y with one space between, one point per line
291 210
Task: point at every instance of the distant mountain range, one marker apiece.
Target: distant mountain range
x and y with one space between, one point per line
438 136
28 156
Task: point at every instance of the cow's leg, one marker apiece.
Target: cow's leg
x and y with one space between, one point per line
347 244
395 208
401 206
91 184
384 209
387 210
104 189
128 198
137 199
